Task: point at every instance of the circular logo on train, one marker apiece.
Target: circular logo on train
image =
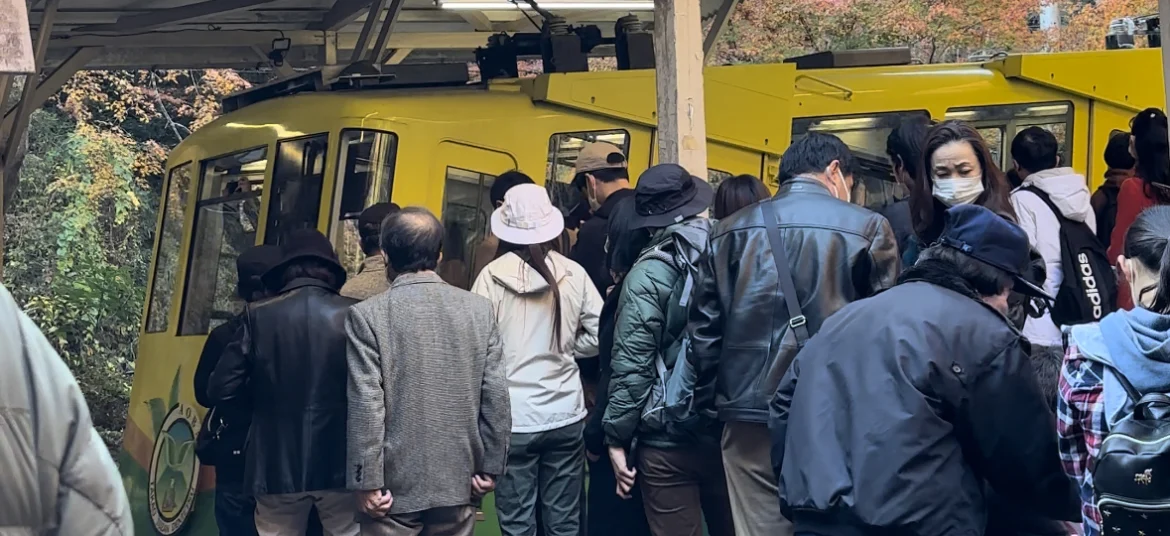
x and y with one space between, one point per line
174 470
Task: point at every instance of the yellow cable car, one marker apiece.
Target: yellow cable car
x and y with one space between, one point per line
318 156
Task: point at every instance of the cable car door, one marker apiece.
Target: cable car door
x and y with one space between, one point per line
468 172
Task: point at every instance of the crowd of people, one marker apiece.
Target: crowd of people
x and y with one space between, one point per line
730 362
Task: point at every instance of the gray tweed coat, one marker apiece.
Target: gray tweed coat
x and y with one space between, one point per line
428 396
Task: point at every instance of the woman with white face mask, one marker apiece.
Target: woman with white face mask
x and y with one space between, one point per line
957 169
1133 344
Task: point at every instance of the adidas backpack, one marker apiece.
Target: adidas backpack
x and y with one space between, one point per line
1089 289
1131 477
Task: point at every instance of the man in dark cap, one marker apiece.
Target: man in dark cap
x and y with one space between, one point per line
904 407
226 426
371 277
289 366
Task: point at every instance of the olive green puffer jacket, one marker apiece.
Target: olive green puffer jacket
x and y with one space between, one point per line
650 321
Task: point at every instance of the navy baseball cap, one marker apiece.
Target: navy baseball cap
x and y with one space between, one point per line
987 237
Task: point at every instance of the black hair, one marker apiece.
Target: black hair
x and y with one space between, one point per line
536 256
505 182
252 288
412 240
926 211
1152 149
1035 149
370 226
904 145
603 175
1146 241
623 242
813 153
1117 152
985 279
736 193
311 268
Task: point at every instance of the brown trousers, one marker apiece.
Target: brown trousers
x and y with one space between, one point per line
449 521
683 487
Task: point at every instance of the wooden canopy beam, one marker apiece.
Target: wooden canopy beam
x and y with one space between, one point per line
718 26
158 19
678 56
341 14
388 21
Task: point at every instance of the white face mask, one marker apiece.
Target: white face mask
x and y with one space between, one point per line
838 185
958 191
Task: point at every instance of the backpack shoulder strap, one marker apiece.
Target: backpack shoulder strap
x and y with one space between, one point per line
796 320
1047 201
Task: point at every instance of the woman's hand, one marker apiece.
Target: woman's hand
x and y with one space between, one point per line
621 469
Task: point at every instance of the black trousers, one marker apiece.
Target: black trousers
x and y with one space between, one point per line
610 515
235 511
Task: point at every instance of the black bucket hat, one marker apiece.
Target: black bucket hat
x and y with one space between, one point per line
667 194
305 244
251 266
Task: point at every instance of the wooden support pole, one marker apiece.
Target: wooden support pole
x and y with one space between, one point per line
16 53
1164 29
678 55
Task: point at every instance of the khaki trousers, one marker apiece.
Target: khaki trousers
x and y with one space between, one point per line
449 521
754 492
288 514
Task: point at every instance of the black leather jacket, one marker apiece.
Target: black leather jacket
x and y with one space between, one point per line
290 365
839 253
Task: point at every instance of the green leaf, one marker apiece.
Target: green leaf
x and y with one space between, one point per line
175 388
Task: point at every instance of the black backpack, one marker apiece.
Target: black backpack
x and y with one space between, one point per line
1089 289
1131 477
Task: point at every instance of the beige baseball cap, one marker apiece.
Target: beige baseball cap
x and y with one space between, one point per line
599 155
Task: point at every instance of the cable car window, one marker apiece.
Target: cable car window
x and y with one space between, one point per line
297 178
366 171
562 160
715 177
999 125
227 216
467 211
874 185
170 237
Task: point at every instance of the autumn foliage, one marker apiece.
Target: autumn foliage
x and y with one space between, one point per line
935 30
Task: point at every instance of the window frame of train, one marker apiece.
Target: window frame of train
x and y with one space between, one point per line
1007 118
174 209
474 233
205 295
343 231
877 123
559 170
293 180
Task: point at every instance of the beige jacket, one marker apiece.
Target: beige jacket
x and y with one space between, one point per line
58 477
544 383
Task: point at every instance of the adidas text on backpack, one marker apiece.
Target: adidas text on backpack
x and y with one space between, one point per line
1088 291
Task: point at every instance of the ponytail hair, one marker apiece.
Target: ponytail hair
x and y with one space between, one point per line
1146 242
536 256
1152 149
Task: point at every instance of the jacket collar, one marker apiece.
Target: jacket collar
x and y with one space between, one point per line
612 201
805 185
302 282
940 275
373 263
417 278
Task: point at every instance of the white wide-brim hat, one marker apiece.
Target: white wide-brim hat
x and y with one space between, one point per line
527 217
